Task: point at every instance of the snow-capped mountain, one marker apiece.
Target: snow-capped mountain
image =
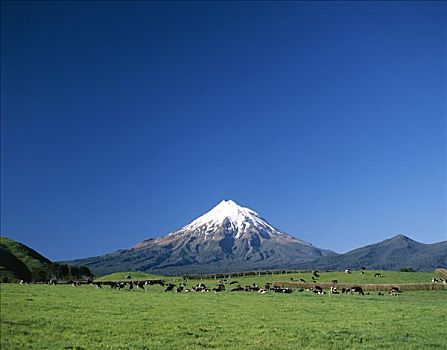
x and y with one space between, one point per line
226 220
227 238
234 218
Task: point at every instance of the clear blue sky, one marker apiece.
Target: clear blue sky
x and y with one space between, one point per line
123 121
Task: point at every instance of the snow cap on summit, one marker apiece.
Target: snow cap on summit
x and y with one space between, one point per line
239 217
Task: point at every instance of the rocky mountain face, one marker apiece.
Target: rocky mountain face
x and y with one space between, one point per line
225 239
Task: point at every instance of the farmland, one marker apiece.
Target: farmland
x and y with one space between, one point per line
65 317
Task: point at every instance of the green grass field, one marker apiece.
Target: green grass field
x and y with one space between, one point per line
388 277
65 317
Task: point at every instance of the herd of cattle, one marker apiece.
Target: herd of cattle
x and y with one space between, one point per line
235 286
222 286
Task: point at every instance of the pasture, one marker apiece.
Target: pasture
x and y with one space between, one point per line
387 277
356 277
65 317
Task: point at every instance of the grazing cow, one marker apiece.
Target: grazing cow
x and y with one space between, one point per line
363 268
317 290
234 282
334 290
334 281
267 286
140 284
395 291
180 288
303 280
291 278
357 289
253 288
201 288
381 294
152 282
237 289
97 285
435 280
315 273
219 288
277 289
170 287
377 274
348 271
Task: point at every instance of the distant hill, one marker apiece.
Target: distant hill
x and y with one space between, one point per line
20 262
392 254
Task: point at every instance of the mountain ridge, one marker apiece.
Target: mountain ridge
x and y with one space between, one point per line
399 251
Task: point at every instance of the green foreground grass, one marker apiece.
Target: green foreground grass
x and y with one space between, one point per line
64 317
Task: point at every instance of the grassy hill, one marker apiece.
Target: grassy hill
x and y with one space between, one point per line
32 259
19 261
11 268
121 276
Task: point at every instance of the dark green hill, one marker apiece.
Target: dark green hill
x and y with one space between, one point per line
11 268
32 259
21 262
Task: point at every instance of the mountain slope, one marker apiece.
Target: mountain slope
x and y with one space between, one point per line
31 258
392 254
11 268
19 261
227 238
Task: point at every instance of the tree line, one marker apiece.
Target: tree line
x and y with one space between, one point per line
60 272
